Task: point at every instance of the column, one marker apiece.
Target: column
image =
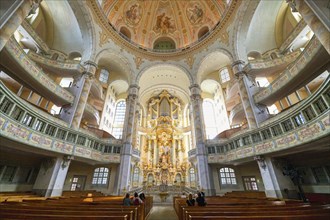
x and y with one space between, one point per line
311 19
205 179
154 146
126 152
51 177
81 98
276 184
149 152
247 89
174 153
16 19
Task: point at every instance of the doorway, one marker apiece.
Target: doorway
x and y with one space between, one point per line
250 183
78 183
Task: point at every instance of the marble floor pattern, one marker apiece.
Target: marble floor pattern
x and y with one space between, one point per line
162 212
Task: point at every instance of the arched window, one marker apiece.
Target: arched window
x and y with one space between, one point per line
124 31
101 176
104 76
227 176
192 175
224 75
117 129
209 119
203 31
164 43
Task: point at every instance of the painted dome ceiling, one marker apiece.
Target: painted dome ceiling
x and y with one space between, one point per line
164 24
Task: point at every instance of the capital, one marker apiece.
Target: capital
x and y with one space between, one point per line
90 67
238 67
133 89
292 4
195 89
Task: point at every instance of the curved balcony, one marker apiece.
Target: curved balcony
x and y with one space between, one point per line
91 114
48 135
293 35
67 68
269 67
236 115
19 66
29 29
97 89
310 133
305 68
233 97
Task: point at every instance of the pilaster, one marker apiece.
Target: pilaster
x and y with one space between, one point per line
126 153
204 177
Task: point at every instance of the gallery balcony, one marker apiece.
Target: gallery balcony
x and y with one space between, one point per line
306 67
19 66
305 125
33 130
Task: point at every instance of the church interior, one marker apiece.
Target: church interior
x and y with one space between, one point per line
99 98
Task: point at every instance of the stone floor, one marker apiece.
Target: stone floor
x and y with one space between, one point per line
162 212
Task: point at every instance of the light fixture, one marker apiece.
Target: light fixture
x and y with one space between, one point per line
261 161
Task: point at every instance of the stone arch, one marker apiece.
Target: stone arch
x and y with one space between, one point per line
208 64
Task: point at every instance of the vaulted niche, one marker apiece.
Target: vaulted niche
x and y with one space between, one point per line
164 43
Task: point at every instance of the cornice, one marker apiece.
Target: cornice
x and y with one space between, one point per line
109 32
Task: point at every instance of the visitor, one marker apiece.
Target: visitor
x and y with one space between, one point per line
190 201
200 200
183 196
127 200
142 196
136 199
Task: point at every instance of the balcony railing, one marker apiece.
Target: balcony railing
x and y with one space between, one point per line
20 121
303 123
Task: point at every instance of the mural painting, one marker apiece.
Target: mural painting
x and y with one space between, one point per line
164 24
195 13
133 14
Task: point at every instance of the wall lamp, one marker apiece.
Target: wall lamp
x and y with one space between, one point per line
261 161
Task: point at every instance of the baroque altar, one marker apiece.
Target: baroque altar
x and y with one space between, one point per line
164 155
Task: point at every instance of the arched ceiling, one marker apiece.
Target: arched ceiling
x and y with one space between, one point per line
213 62
157 78
148 20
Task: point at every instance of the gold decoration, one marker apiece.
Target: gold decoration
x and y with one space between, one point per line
224 37
138 62
104 38
190 61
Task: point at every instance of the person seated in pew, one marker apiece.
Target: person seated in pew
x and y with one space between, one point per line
142 196
136 199
127 200
190 201
200 200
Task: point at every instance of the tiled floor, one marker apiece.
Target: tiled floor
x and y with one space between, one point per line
162 213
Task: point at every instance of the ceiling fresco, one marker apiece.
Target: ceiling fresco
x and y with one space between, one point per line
178 20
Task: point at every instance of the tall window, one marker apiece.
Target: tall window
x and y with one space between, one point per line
227 176
101 176
192 176
209 119
104 76
250 183
136 177
118 123
224 75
